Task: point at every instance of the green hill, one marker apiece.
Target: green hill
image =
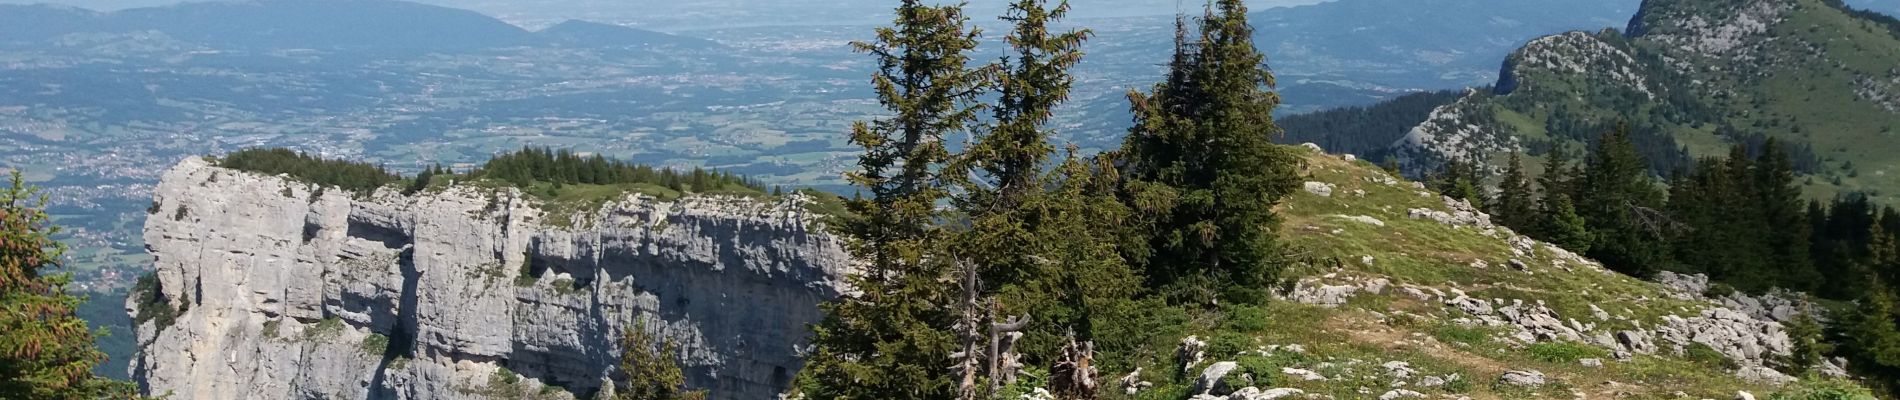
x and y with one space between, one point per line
1400 291
1693 77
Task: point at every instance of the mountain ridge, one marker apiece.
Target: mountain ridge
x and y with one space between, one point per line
1692 77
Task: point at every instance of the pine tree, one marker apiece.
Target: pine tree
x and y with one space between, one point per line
1035 232
893 339
1562 226
1558 176
1810 343
1623 207
646 359
46 351
1199 163
1873 339
1516 205
1459 179
1785 233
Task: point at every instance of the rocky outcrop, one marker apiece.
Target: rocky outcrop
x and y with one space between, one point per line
284 289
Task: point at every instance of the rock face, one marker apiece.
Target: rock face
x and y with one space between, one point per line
286 290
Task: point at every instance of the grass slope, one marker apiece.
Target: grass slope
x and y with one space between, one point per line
1350 344
1808 77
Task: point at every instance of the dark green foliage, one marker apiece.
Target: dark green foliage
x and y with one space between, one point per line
893 339
1516 204
1366 131
525 167
46 351
648 370
1201 170
1810 343
1460 180
152 306
349 175
1561 225
1622 205
1872 333
1743 222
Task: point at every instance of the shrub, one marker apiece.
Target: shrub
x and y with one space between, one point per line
152 304
1228 344
1247 319
376 344
324 330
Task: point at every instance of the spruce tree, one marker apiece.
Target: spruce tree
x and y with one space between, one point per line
1623 207
646 359
1785 233
1038 234
893 339
1558 178
1516 205
1200 164
1873 338
46 351
1562 226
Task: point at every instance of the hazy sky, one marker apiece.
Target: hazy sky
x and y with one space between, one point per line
698 14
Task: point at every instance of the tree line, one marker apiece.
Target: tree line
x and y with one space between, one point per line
529 165
1009 253
1740 219
522 168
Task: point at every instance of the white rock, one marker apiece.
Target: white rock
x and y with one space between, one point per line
440 267
1321 189
1401 394
1522 378
1302 374
1212 380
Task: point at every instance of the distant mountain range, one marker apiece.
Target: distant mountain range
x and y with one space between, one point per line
1690 78
354 25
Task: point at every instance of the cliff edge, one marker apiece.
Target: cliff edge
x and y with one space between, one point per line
268 287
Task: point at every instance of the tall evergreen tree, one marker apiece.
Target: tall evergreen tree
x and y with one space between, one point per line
1460 179
1785 234
1516 205
1199 161
46 351
1558 176
1562 226
1623 207
892 340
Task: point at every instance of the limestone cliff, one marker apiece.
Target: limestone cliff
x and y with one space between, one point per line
285 290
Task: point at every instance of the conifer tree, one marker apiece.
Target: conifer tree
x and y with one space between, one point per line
1199 163
893 339
46 351
1516 205
651 372
1623 207
1558 175
1784 232
1035 231
1562 226
1873 338
1459 179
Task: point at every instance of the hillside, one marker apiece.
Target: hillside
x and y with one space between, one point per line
1404 294
1399 293
1693 77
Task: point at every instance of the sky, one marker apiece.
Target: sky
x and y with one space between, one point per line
676 15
